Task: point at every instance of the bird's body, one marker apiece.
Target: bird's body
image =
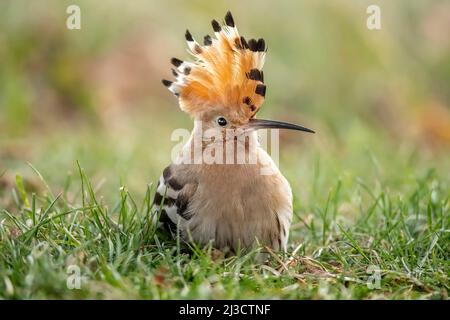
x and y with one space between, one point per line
232 205
235 196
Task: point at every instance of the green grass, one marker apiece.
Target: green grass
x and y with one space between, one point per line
371 188
121 254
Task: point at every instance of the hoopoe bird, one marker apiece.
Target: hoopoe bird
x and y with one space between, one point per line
233 206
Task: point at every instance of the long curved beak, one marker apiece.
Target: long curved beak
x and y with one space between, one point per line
256 124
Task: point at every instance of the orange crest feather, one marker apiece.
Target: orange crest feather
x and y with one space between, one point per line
227 72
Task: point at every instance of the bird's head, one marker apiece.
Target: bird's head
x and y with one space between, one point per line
224 88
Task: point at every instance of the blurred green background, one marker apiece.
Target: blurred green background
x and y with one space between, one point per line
379 100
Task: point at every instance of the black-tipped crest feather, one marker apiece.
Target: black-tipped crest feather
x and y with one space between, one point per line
188 36
167 83
176 62
229 19
207 41
216 26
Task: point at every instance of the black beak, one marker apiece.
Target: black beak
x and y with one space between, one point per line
256 124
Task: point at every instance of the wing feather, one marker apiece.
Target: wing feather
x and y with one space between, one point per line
172 198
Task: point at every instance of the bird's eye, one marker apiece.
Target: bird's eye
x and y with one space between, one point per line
221 121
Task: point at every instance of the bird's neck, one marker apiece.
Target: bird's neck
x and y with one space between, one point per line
221 146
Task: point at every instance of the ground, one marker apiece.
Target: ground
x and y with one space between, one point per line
382 233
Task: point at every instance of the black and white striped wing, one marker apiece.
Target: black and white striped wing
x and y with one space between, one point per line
172 198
